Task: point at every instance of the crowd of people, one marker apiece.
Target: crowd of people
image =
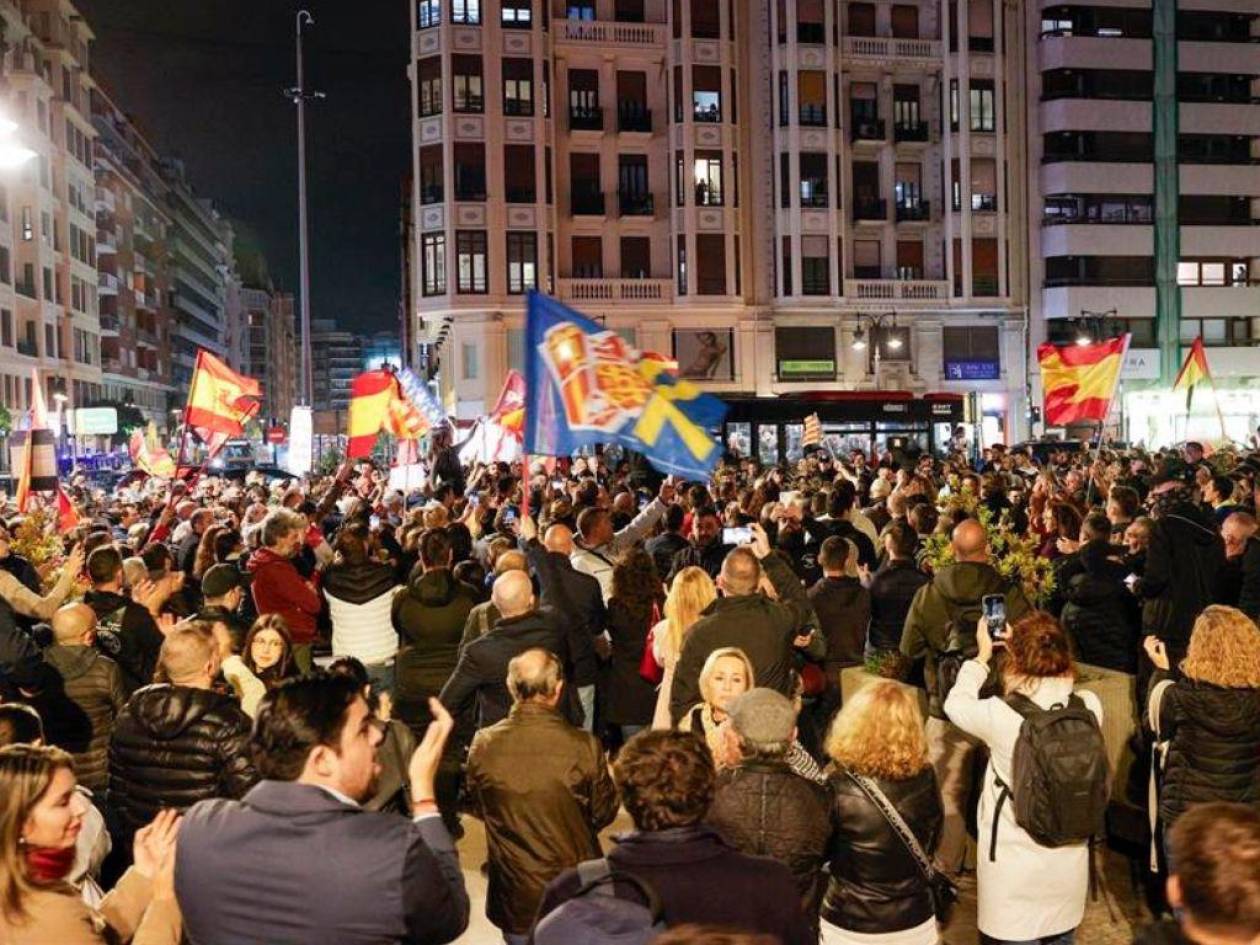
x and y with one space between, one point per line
825 694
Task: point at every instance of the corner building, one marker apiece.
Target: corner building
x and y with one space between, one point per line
788 196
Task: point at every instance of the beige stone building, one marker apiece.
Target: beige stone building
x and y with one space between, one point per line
771 191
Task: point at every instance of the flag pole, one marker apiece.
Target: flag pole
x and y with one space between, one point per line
1124 353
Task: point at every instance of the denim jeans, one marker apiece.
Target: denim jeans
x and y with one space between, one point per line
1065 938
586 695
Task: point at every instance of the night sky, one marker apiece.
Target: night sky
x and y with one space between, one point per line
204 81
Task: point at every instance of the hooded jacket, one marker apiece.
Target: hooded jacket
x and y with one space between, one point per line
360 598
1214 747
1099 613
127 633
278 588
893 588
174 746
81 695
843 607
1183 567
955 593
429 614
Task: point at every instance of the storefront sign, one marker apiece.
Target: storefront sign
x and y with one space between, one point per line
1140 364
87 421
972 370
896 408
807 368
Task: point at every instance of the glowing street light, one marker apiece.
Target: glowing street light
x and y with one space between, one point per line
12 154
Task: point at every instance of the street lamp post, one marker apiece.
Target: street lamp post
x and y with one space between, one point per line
299 94
876 323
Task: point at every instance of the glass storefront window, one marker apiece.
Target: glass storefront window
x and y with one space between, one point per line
739 438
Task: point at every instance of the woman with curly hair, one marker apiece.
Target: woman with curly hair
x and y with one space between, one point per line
205 556
877 891
1209 716
633 608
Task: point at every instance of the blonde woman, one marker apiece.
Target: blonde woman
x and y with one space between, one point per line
39 824
1210 716
726 675
689 596
877 892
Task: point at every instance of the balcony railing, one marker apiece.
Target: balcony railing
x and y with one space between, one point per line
706 114
522 195
604 33
813 116
431 194
587 118
984 202
889 48
636 205
587 203
816 199
28 348
982 286
518 107
913 290
632 116
110 323
616 290
869 209
910 131
707 196
107 283
105 199
914 211
867 129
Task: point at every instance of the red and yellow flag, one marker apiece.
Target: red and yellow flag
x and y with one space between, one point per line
1080 380
378 403
220 401
1194 371
509 411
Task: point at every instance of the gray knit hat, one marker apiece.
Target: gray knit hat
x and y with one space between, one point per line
763 717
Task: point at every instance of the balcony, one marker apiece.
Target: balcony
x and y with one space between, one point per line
813 34
707 195
654 291
869 209
431 194
28 348
146 337
906 290
814 196
604 33
110 324
518 108
706 114
636 205
867 129
521 195
105 200
984 203
914 211
105 245
910 131
107 283
813 116
888 50
633 117
585 203
588 118
141 300
1232 301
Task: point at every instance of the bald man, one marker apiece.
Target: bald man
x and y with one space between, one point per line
577 601
479 683
942 622
81 695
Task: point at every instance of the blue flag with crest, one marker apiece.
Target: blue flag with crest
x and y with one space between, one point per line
585 384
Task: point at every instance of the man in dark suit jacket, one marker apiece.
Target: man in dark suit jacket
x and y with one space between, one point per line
480 676
302 828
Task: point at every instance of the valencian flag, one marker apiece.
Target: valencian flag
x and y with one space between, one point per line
585 385
812 434
1080 380
1195 371
220 401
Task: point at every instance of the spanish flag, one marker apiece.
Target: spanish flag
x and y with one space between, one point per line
220 401
373 396
1080 380
1193 372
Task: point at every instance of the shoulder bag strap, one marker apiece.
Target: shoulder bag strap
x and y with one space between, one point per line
899 826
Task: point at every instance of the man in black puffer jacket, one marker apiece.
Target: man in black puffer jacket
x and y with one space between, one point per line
180 742
762 807
1184 564
1099 613
893 587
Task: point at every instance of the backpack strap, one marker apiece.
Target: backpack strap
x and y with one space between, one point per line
896 822
594 876
599 877
1004 794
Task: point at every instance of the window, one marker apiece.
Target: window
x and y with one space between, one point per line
866 260
516 14
430 81
1213 272
1100 270
708 178
785 106
28 225
432 174
814 180
519 179
907 123
787 265
680 180
861 19
50 343
706 19
811 93
706 93
586 195
518 86
470 171
633 191
467 12
905 21
470 261
982 108
585 113
48 285
909 259
6 275
522 262
581 10
805 354
588 257
629 11
468 359
636 257
972 352
815 266
809 22
6 328
632 111
710 264
466 82
681 257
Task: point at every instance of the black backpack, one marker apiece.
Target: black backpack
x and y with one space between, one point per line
596 915
960 646
1061 777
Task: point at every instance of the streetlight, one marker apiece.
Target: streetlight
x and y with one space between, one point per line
1091 325
12 154
876 323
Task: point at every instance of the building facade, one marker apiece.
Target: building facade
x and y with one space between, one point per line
134 280
784 195
1144 135
336 358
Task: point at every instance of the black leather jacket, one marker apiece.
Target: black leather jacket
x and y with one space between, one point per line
876 886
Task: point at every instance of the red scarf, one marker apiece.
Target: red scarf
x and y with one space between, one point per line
48 865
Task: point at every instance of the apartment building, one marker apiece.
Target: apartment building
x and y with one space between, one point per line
134 279
271 352
48 300
784 195
202 270
1144 135
336 358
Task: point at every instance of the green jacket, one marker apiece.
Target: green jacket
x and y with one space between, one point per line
954 591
